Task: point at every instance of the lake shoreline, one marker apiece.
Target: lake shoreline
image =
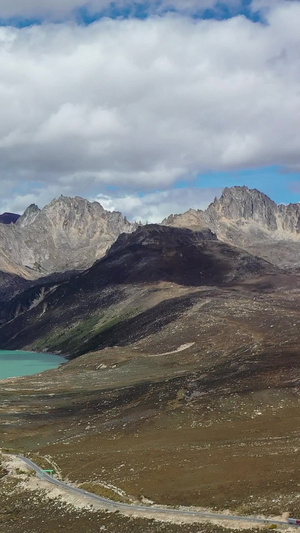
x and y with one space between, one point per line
20 363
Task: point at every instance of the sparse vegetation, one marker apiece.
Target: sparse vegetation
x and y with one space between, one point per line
31 512
105 492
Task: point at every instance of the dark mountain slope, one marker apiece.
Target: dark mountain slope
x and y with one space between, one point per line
87 311
9 218
9 284
157 253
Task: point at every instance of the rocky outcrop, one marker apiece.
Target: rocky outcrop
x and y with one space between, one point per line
242 204
251 220
67 234
29 216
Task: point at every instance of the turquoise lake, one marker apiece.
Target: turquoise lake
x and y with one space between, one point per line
18 363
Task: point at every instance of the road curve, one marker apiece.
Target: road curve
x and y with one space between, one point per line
143 509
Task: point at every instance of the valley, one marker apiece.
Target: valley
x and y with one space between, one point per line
182 381
221 416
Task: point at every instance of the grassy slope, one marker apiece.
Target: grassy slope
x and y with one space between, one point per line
30 512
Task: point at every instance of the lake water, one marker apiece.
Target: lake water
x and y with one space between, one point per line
18 363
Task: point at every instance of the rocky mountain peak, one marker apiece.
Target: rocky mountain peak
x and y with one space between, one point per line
244 204
77 213
249 219
76 203
67 234
29 216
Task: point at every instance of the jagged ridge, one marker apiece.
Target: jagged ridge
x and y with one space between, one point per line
67 234
249 219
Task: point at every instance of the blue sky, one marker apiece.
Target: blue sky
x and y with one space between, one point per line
281 187
149 107
89 12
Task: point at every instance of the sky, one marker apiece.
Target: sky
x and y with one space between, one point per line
150 107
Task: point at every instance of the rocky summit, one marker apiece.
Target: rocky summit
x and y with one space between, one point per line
251 220
67 234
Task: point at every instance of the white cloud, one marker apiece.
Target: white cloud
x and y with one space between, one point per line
17 203
149 207
154 207
143 104
267 6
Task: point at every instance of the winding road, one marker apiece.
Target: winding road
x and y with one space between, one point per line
146 511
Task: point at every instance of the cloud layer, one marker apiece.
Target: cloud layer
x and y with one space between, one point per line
144 103
154 207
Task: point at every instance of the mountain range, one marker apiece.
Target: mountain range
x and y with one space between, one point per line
251 220
70 234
